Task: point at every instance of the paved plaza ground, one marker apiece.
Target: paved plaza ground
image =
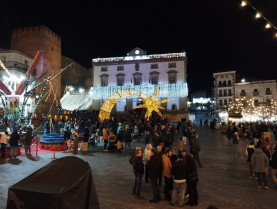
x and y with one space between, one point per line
224 180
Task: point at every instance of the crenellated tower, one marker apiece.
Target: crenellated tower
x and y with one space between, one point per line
29 40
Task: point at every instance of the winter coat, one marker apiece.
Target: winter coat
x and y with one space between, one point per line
259 160
154 166
167 165
179 169
249 151
274 160
28 138
14 139
105 134
235 139
138 166
155 140
127 136
195 146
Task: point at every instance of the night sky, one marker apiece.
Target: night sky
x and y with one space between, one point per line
217 35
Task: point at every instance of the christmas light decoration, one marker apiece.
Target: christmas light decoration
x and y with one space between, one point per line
152 104
259 15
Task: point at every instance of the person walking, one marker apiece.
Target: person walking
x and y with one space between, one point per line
168 179
105 137
196 149
28 142
128 138
85 140
179 183
274 167
249 151
4 141
191 183
138 169
112 140
14 143
155 168
146 158
260 163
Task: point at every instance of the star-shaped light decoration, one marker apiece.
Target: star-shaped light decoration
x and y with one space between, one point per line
152 104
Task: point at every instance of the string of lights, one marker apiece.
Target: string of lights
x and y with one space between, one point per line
259 15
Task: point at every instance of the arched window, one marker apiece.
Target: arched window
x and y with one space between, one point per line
154 77
104 79
220 84
137 78
229 83
172 76
224 84
120 79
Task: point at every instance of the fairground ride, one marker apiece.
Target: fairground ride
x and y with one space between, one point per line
16 93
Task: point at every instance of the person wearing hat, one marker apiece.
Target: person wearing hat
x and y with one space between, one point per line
119 127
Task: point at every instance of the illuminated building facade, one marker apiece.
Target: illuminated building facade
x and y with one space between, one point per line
142 72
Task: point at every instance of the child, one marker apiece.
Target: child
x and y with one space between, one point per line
180 145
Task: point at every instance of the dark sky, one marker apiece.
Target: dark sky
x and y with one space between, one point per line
218 35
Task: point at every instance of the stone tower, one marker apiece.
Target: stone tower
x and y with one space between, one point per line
31 39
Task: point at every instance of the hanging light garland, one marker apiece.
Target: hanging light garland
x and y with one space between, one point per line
259 15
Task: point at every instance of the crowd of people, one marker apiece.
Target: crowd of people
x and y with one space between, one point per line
261 152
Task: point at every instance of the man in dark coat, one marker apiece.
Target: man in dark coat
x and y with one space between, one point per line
155 168
196 149
156 139
274 167
178 171
14 143
138 168
28 142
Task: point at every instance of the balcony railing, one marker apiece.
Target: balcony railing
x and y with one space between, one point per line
255 93
268 92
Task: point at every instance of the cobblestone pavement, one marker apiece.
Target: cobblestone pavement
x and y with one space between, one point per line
224 180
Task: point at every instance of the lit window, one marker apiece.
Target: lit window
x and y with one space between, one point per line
104 80
120 79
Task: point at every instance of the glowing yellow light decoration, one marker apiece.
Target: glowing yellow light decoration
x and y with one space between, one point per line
149 103
152 104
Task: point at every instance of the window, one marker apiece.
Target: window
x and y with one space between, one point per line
255 92
172 76
154 80
120 68
220 84
256 102
242 93
154 77
268 91
230 100
229 92
268 101
104 79
220 93
224 84
3 59
225 93
120 79
154 66
104 69
137 78
220 103
172 65
229 83
225 102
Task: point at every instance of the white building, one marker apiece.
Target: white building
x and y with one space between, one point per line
16 64
262 93
142 72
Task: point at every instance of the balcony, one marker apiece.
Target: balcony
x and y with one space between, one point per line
268 92
255 93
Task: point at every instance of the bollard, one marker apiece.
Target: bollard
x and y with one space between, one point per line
37 149
53 158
